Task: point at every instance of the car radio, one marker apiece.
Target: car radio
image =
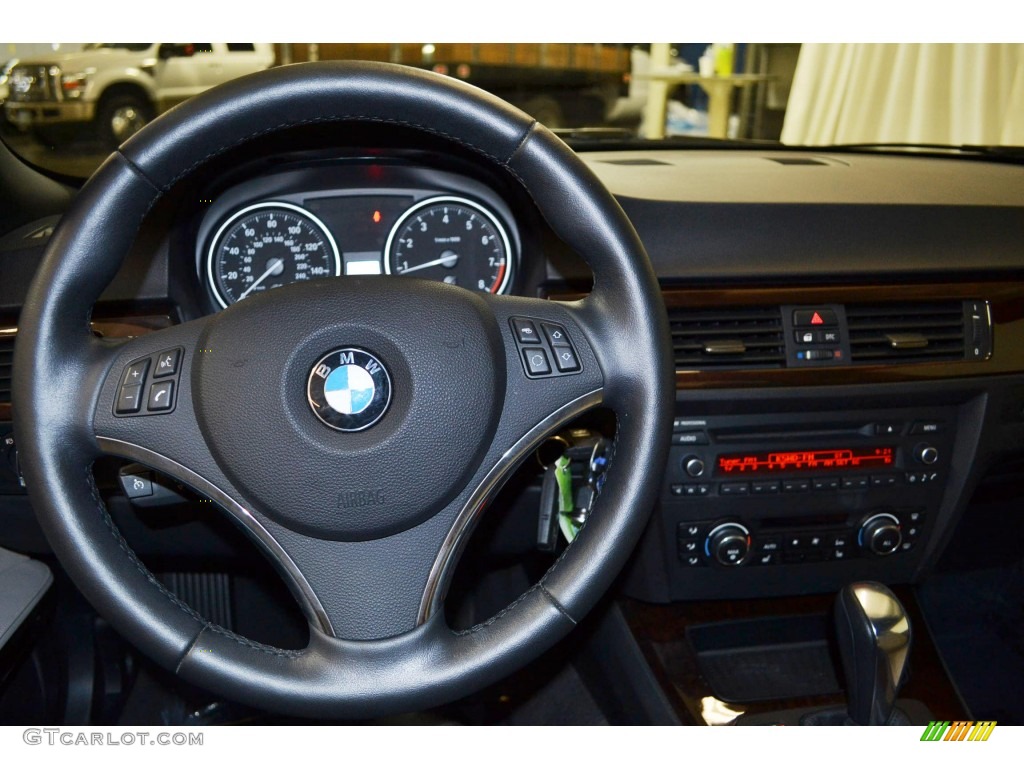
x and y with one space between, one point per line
753 501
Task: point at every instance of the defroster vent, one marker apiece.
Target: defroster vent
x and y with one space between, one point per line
737 337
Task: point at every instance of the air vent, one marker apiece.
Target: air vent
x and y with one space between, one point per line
6 366
917 332
743 337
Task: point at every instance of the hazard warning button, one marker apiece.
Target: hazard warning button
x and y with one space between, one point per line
805 318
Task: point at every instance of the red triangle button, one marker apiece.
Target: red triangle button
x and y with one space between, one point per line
816 320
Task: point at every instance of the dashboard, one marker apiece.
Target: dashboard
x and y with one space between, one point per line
848 327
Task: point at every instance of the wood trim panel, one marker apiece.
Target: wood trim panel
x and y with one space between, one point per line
1007 304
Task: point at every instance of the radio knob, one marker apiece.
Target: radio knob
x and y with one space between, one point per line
926 454
693 466
881 534
729 544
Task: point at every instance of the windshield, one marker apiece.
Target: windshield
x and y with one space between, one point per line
65 106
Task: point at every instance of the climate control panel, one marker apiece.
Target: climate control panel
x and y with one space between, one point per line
733 543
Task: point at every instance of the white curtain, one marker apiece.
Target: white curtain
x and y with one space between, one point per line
917 93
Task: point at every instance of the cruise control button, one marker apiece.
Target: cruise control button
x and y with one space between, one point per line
136 373
167 363
526 331
565 359
129 399
137 485
556 335
536 362
161 396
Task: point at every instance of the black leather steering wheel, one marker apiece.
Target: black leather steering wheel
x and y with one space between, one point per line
370 576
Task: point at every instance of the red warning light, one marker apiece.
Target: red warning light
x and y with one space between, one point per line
376 217
816 320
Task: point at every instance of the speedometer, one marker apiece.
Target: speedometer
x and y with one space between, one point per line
268 245
454 240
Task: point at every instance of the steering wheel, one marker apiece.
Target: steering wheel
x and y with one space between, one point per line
364 521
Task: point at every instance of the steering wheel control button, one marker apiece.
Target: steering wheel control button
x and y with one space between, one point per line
349 389
129 399
167 363
566 360
136 373
556 335
161 396
539 350
146 389
526 331
536 362
137 485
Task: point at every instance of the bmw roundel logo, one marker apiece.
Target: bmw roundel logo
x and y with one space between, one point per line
349 389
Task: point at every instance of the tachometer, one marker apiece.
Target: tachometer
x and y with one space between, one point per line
268 245
454 240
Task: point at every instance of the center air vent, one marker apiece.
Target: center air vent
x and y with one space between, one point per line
6 366
741 337
911 332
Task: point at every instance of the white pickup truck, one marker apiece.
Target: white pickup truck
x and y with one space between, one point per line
119 87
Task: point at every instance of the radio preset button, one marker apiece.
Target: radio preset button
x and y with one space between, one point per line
796 486
883 481
854 483
765 486
734 489
826 484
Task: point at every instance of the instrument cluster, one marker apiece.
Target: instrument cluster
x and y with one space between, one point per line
370 219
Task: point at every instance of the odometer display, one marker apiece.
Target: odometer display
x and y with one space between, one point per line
452 240
268 245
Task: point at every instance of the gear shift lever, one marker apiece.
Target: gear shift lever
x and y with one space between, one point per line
874 643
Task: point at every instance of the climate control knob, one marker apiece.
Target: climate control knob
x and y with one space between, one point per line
729 544
693 466
926 454
881 534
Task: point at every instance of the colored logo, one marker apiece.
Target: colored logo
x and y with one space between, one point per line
960 730
349 389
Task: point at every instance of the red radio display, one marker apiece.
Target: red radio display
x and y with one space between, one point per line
830 459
